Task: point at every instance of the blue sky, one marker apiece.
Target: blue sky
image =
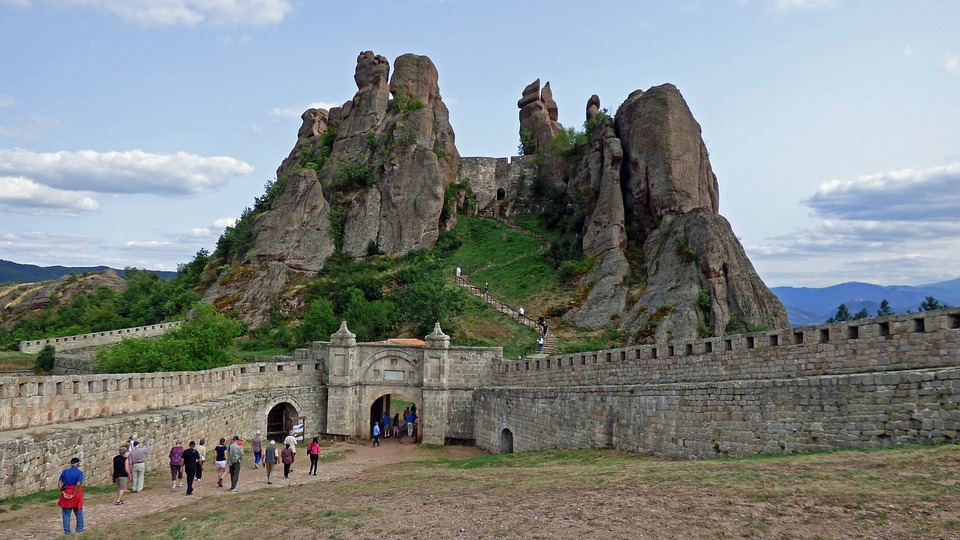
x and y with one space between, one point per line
133 131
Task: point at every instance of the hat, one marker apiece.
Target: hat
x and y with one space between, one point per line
236 437
74 461
273 441
258 432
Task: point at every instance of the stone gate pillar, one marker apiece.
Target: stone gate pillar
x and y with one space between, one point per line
436 371
342 392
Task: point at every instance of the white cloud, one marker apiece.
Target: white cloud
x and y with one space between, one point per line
295 112
23 195
199 232
134 171
910 195
908 50
952 64
893 227
6 100
223 223
183 12
789 6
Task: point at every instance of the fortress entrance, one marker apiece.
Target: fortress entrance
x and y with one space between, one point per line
280 420
393 405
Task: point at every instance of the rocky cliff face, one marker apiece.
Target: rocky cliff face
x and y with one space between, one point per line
668 266
370 176
363 177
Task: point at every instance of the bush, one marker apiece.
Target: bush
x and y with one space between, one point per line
200 343
45 359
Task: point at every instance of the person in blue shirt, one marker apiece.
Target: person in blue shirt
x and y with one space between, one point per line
376 433
71 495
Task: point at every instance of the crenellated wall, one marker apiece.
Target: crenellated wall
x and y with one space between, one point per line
31 401
98 339
31 459
869 382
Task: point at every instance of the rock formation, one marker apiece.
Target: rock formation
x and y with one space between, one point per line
649 173
368 175
538 117
640 194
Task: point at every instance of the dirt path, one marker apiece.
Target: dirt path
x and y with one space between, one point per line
44 521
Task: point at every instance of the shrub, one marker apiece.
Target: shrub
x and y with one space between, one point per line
45 359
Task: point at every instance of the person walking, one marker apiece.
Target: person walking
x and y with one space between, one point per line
71 495
314 452
376 434
202 450
121 473
191 461
138 466
540 344
396 426
234 455
458 271
257 448
271 458
286 456
176 464
221 460
291 439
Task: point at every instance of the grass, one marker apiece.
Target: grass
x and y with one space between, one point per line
259 355
16 361
892 493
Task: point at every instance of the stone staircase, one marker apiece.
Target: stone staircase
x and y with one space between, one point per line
549 341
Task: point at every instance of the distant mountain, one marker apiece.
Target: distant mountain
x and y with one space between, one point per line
11 272
812 305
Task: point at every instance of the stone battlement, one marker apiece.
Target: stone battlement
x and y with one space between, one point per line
40 400
897 342
98 339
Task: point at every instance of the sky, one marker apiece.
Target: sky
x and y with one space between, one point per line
133 131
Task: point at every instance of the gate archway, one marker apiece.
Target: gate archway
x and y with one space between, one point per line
280 420
506 441
391 402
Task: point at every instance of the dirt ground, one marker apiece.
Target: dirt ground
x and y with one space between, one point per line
100 510
401 490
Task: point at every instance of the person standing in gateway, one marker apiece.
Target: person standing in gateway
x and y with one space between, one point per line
71 495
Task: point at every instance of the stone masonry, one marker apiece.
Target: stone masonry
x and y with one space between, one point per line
865 383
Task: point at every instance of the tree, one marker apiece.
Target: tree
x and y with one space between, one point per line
45 359
843 314
200 343
931 303
862 314
318 322
884 309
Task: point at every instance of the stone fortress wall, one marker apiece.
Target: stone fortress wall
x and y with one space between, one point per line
98 339
46 420
870 382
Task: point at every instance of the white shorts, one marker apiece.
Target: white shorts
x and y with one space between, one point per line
222 464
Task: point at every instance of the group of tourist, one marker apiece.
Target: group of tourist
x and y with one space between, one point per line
394 426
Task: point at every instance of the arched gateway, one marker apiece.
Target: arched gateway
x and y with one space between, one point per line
364 379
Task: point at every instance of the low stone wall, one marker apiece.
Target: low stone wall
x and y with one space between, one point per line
98 339
908 341
31 459
738 418
39 400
